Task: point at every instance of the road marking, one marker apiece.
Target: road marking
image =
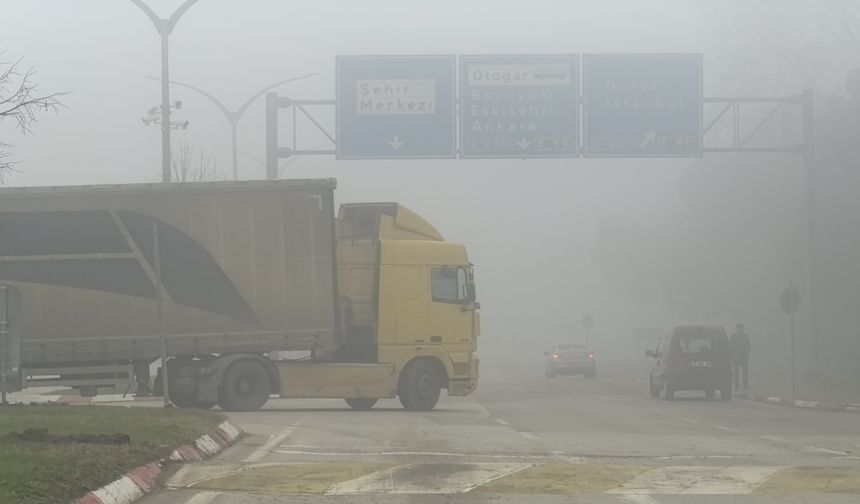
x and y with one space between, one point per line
273 441
426 478
512 456
604 398
816 449
688 420
640 499
697 480
203 498
727 429
499 420
529 436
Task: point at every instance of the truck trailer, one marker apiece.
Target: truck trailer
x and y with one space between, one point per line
221 277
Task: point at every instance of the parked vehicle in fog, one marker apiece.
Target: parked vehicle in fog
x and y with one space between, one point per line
692 358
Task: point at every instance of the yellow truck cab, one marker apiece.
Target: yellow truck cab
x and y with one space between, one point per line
410 319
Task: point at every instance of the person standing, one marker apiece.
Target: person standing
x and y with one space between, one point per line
740 346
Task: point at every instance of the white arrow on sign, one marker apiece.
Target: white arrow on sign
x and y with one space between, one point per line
650 138
524 144
395 143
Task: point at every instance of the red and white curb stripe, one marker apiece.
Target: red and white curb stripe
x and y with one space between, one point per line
140 481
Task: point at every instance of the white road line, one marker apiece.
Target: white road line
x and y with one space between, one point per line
828 451
639 499
456 478
273 442
688 420
512 456
697 480
499 420
727 429
529 436
203 498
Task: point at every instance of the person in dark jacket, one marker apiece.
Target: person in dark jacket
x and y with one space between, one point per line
740 346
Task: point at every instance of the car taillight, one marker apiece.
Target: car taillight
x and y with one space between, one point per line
556 356
591 355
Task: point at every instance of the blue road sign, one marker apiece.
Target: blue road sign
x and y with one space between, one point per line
396 107
519 106
642 105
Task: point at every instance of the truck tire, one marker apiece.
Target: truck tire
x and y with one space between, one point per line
361 403
419 388
590 374
245 386
726 393
709 394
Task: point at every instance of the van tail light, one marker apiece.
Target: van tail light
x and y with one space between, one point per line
591 355
556 356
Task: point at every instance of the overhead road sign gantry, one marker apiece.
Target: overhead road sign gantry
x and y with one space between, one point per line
642 105
396 107
519 106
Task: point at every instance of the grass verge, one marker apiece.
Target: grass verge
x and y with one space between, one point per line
53 471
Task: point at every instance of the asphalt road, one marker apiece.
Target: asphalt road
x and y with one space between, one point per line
528 439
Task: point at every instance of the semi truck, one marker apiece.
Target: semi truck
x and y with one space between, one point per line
219 278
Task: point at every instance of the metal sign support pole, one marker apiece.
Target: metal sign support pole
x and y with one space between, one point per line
160 314
793 358
4 341
809 169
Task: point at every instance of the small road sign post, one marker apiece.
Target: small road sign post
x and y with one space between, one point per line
587 322
524 106
642 105
789 301
396 107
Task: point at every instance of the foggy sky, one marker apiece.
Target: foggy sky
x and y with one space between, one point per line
529 225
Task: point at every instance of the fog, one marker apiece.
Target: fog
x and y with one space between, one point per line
641 245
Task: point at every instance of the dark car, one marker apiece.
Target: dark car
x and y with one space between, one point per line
570 359
692 358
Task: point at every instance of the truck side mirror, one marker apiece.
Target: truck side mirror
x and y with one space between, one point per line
471 294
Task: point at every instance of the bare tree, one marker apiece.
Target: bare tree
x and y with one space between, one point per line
20 101
188 165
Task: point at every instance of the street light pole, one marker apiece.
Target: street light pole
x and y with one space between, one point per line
234 116
164 27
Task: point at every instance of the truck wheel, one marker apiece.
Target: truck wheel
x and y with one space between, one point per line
361 403
419 386
549 374
726 393
591 374
245 386
709 394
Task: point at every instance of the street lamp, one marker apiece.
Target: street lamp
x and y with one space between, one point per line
234 116
165 28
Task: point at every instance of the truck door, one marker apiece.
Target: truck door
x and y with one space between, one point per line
453 308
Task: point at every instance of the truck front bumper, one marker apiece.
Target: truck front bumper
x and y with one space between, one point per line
466 385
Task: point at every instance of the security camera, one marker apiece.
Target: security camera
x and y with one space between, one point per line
178 104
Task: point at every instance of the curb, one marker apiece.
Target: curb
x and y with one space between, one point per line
140 481
76 399
781 401
797 403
